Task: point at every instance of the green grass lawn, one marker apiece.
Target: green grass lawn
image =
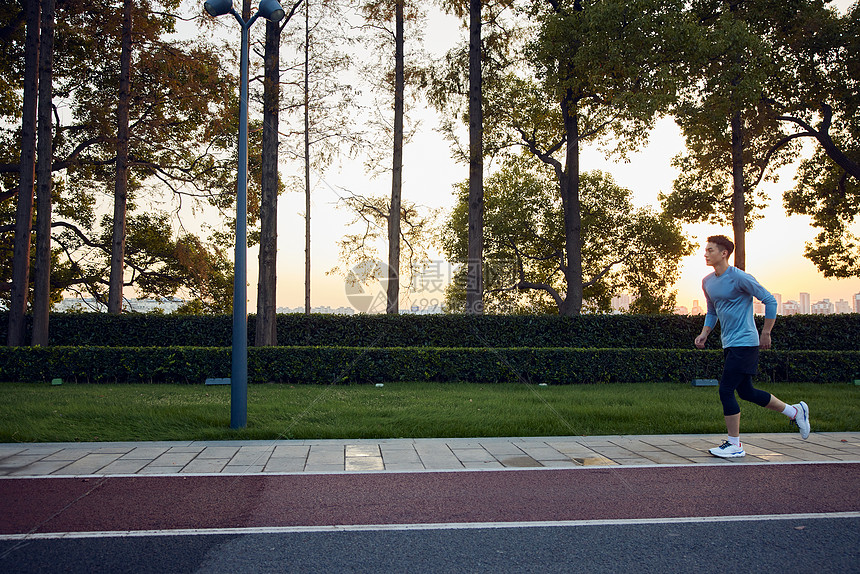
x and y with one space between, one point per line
69 412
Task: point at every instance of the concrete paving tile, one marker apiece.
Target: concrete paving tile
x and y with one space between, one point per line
505 448
663 457
227 452
186 448
362 450
124 466
67 454
150 469
117 449
684 451
18 461
441 463
251 457
404 467
637 460
205 465
6 451
144 453
361 463
473 455
519 462
90 464
324 467
285 464
803 454
478 464
43 451
291 450
242 469
569 463
544 453
614 452
171 458
400 457
319 455
40 468
597 461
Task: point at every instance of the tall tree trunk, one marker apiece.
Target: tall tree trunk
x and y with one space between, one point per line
42 290
307 94
738 195
393 290
266 333
24 212
572 304
117 257
475 249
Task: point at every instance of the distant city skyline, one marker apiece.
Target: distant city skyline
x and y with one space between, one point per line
804 304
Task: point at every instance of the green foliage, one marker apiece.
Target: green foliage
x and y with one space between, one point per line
338 365
624 249
634 331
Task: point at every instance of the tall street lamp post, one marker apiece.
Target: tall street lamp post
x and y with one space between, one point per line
270 10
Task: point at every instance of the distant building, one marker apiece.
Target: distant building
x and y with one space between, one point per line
90 305
857 302
823 307
790 307
697 310
681 310
621 303
842 306
758 307
805 307
322 310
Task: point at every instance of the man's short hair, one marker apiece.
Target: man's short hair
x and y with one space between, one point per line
723 242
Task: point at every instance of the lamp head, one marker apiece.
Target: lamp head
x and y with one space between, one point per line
271 10
218 7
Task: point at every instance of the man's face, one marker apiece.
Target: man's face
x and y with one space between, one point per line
714 254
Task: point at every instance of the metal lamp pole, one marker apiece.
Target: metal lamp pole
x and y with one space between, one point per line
270 10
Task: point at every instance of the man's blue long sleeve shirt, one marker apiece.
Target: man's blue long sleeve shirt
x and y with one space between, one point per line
730 299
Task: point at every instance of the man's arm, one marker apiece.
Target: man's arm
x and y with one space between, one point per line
764 338
703 337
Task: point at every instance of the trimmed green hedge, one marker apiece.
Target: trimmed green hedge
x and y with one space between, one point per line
797 332
336 365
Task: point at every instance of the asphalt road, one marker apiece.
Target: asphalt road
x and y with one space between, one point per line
738 518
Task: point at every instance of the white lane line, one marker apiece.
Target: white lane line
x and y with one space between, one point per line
432 526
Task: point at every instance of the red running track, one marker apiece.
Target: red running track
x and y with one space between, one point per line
99 504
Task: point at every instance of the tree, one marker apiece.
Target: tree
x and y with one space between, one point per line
359 250
117 256
182 122
600 69
624 249
446 89
380 14
26 181
737 115
270 185
823 104
44 177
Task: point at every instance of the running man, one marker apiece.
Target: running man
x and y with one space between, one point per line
729 293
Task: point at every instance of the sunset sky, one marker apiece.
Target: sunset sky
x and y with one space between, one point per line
774 248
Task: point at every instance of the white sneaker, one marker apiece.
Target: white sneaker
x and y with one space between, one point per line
801 419
728 450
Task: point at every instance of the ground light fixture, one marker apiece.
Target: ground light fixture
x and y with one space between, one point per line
270 10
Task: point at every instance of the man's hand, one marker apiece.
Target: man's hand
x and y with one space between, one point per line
764 340
701 339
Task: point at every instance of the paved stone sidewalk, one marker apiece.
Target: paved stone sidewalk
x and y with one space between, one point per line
289 456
